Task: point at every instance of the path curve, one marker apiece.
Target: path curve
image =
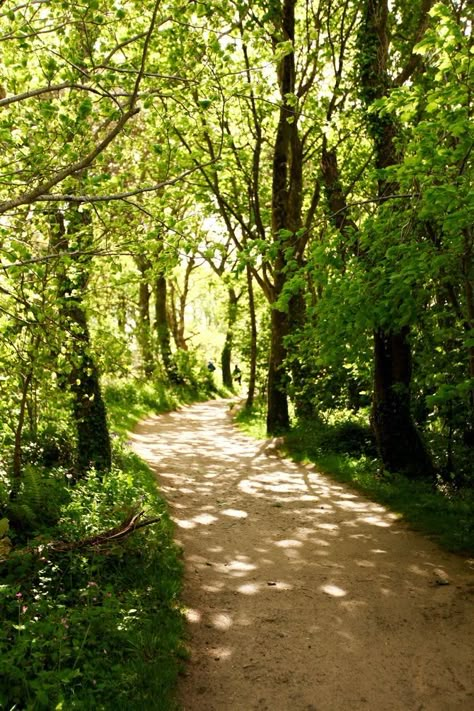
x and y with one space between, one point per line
302 595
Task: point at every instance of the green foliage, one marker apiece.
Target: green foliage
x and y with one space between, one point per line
95 629
38 502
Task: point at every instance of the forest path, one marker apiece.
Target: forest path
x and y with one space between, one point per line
302 595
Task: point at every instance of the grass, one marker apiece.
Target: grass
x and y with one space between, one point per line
96 629
128 401
342 447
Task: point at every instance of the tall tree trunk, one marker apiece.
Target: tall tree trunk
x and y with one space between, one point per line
17 449
391 416
226 355
93 440
144 330
253 341
177 311
399 442
278 419
162 327
286 221
468 273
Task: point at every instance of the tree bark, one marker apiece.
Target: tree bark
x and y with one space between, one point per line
399 442
253 341
178 306
93 440
162 327
17 450
287 181
226 355
143 329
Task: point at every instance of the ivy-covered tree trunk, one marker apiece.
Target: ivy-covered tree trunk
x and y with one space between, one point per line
162 326
278 419
93 440
226 355
399 442
17 449
301 375
179 299
286 221
253 341
468 273
143 326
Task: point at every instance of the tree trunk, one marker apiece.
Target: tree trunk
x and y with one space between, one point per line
178 306
299 367
143 329
286 222
253 341
226 356
17 450
162 327
278 419
93 440
468 273
400 445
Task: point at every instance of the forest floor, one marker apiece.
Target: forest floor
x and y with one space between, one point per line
300 594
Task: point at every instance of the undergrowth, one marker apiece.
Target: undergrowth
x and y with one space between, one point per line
127 401
342 446
93 629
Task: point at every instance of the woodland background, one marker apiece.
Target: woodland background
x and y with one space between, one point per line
282 185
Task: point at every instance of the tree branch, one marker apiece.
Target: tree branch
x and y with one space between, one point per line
47 90
414 60
43 188
123 195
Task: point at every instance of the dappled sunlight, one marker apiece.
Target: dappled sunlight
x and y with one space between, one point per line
183 523
329 527
193 616
219 653
239 565
249 588
288 543
204 519
234 513
333 590
375 521
221 621
269 543
365 563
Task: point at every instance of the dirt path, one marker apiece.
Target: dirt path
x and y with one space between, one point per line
302 595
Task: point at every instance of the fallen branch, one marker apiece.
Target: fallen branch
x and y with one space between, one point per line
132 523
117 534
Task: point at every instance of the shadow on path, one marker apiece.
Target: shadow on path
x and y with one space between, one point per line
302 595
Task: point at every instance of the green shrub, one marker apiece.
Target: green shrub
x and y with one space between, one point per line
94 628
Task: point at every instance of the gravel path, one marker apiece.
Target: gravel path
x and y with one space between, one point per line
301 595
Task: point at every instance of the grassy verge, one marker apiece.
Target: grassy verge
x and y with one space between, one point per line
128 401
95 628
343 449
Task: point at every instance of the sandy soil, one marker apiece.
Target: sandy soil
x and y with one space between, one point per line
302 595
